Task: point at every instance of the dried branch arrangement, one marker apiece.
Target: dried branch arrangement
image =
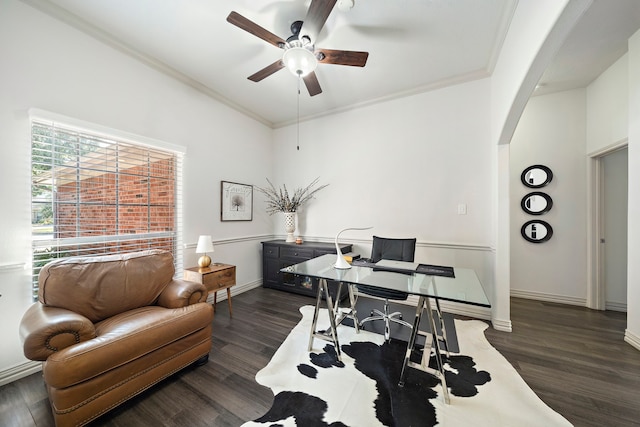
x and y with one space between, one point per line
278 200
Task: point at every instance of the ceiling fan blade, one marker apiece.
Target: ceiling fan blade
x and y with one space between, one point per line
255 29
342 57
317 15
267 71
312 84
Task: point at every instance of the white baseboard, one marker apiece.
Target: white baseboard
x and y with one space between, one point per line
236 290
633 340
477 313
616 306
19 371
541 296
466 310
564 299
502 325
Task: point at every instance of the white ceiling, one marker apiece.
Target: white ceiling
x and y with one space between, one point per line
596 42
413 45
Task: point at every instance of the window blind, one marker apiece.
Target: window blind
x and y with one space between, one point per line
93 194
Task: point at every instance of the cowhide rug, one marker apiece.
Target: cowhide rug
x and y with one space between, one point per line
313 389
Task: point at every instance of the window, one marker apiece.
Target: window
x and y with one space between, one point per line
95 193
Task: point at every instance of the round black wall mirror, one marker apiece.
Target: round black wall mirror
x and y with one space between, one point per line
536 203
536 176
536 231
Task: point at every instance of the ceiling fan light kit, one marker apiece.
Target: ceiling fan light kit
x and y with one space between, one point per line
299 60
300 55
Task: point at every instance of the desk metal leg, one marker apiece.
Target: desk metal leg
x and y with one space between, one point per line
315 317
432 338
354 313
349 313
412 340
332 334
443 330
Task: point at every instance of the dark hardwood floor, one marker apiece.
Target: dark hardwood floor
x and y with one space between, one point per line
575 359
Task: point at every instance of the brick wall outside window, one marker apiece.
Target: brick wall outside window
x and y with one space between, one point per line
138 200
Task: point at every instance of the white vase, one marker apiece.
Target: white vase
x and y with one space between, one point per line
290 225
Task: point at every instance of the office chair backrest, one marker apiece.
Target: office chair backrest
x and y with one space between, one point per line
393 249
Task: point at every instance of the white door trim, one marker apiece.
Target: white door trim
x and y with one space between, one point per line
595 269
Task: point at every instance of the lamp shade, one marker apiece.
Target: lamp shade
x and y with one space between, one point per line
300 61
204 245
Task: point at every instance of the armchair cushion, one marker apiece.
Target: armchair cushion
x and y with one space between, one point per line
122 339
100 287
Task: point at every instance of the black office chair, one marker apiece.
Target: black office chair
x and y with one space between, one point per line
396 250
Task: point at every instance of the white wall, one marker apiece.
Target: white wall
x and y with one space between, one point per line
403 167
633 279
49 65
613 114
612 105
523 59
552 132
535 33
608 106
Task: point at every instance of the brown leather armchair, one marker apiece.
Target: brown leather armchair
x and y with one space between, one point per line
109 327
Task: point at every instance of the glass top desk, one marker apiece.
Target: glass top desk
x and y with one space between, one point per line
464 288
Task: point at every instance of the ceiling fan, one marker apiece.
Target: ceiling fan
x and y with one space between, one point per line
300 54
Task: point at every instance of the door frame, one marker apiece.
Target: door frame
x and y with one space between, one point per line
595 250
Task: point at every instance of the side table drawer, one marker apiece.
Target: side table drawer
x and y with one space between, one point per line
219 279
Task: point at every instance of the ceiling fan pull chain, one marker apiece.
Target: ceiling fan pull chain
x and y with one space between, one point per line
298 120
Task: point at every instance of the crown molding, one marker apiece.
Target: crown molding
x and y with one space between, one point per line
80 24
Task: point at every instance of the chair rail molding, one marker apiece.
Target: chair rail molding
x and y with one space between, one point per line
10 266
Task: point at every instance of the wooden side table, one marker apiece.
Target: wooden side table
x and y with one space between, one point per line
216 277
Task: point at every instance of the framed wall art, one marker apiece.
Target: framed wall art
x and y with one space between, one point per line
536 231
536 176
536 203
236 201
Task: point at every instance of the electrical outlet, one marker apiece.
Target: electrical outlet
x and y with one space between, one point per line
462 208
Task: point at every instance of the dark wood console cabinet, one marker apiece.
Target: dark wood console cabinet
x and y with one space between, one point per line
277 254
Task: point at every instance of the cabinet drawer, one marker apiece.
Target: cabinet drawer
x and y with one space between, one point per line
296 253
271 251
219 279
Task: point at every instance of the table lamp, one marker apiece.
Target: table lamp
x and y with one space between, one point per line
341 263
204 245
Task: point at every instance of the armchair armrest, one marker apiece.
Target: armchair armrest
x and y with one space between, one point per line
46 330
181 293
